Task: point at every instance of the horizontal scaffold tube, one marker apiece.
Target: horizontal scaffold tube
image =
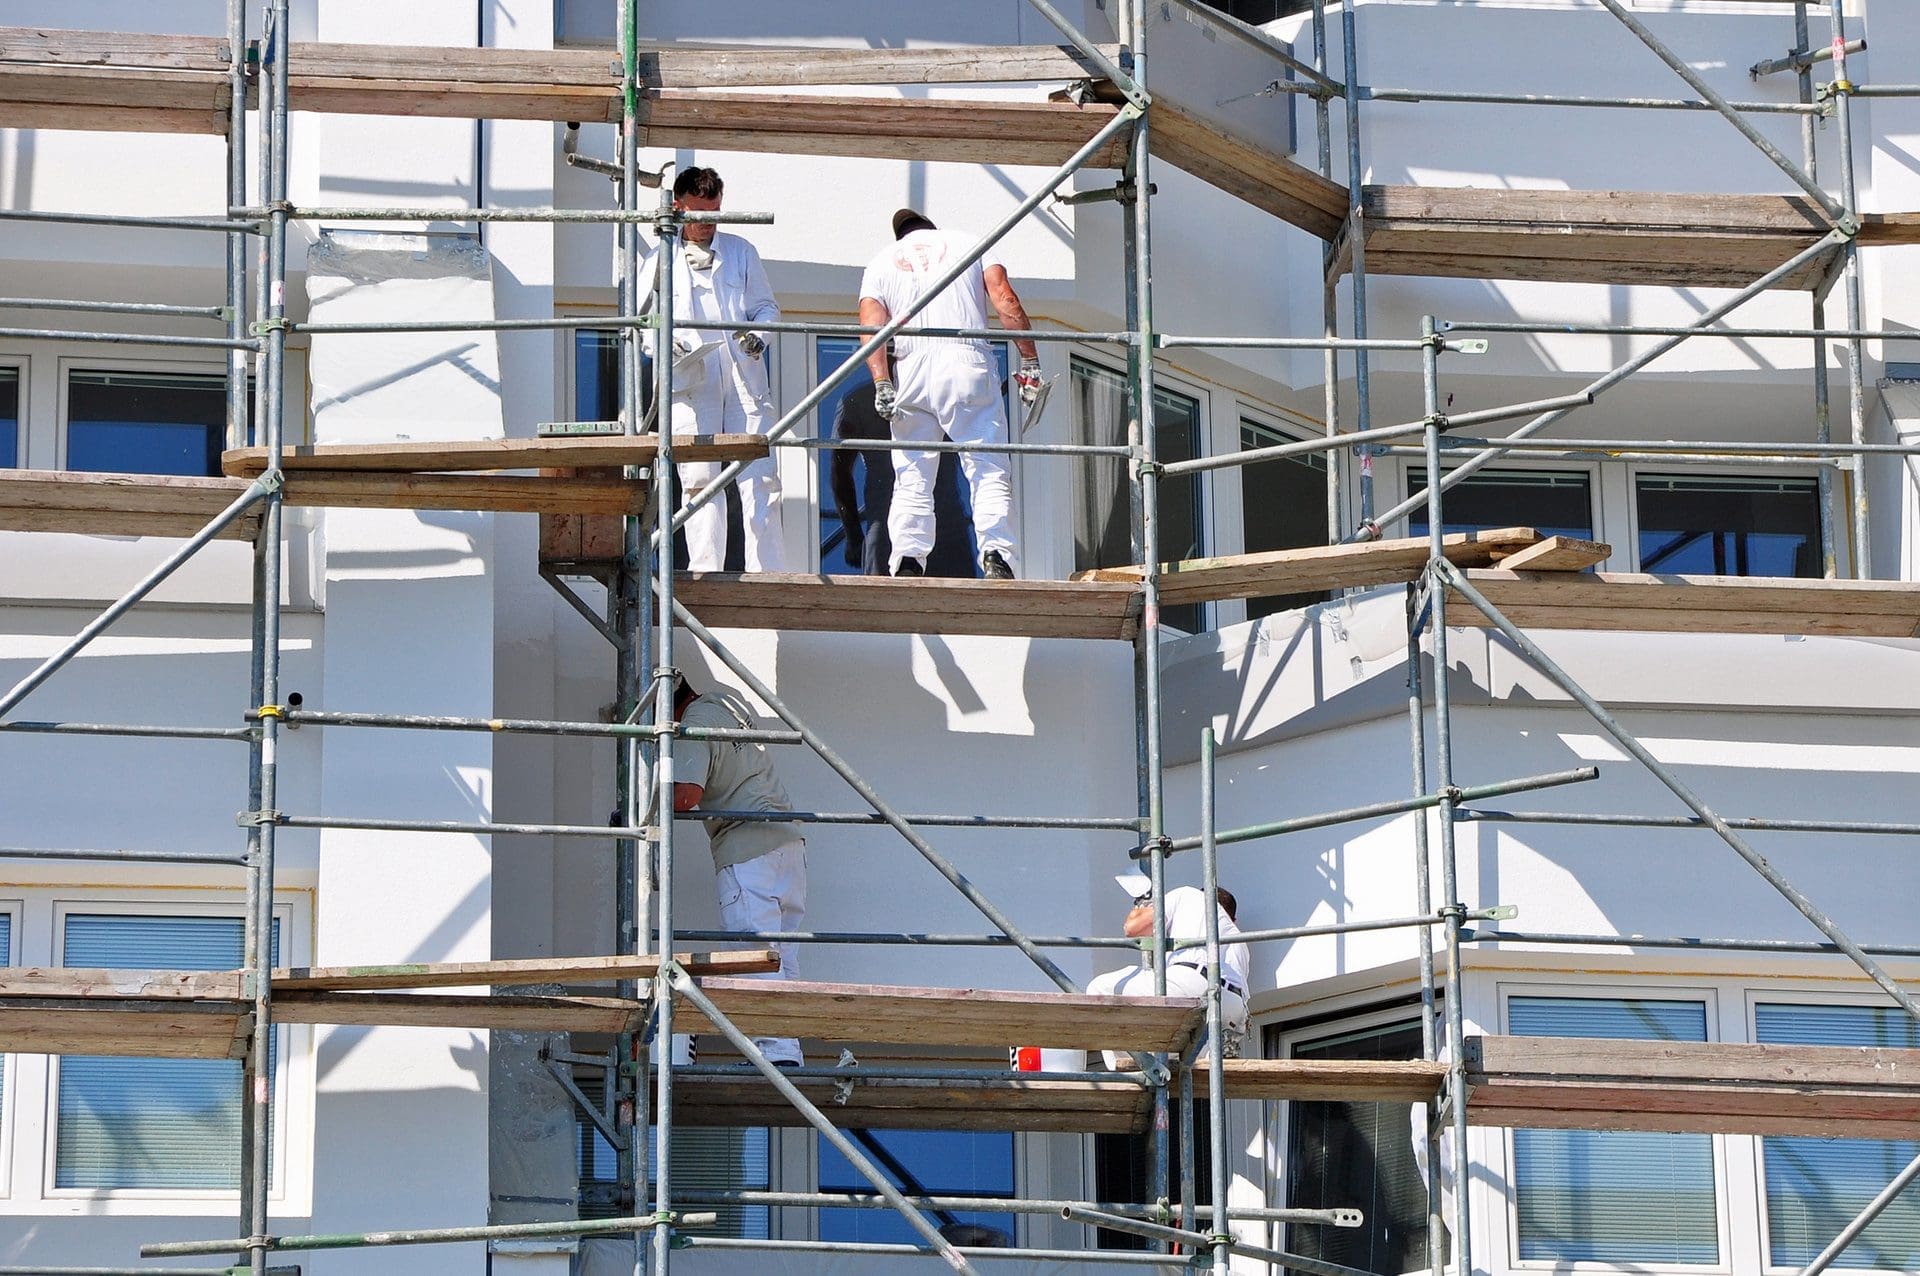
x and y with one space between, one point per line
1001 1204
1701 944
567 215
526 726
219 225
1394 806
1057 941
1556 99
901 1077
1117 824
132 729
1681 447
947 445
1106 1257
1768 824
160 309
425 1236
1545 328
130 339
118 855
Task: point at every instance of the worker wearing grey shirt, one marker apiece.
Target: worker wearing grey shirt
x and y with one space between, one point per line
760 865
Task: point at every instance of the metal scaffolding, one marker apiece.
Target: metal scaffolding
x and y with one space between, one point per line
646 623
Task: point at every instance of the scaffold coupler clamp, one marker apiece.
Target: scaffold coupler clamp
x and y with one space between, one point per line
1148 846
256 819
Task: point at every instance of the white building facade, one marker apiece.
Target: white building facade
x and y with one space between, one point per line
446 613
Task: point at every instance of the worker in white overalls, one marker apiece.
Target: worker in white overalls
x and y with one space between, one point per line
945 387
1186 908
720 383
760 865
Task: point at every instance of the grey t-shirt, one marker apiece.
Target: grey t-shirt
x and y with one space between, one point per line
738 776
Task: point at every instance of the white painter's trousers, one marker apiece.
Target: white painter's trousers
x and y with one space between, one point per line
769 893
714 405
1182 981
951 391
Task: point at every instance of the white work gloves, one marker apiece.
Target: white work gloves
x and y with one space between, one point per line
750 344
1028 379
885 399
684 344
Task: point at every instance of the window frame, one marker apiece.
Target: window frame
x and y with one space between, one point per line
291 1067
1706 995
68 364
1842 530
1786 994
1596 492
14 909
20 363
1249 413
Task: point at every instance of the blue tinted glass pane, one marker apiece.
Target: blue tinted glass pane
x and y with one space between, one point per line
596 376
1815 1186
1609 1196
936 1162
1729 526
9 418
1554 503
150 1123
145 423
955 550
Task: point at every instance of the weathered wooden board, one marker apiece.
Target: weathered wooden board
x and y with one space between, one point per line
94 984
141 1027
119 504
496 493
507 973
1328 1080
404 457
1317 567
1695 604
945 1016
1697 1087
930 605
1556 554
479 1012
1018 1102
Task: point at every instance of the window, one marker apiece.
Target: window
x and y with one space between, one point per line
1258 11
596 375
1816 1186
865 479
1556 503
146 422
921 1163
150 1123
1103 514
9 418
1613 1196
703 1160
1359 1155
1120 1170
1283 505
1729 525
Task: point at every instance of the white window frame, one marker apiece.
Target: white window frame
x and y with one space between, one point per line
1705 994
1596 490
1785 995
33 1083
1842 528
72 363
1247 412
20 364
13 909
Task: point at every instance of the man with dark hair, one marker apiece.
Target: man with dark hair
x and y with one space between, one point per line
947 387
720 383
760 866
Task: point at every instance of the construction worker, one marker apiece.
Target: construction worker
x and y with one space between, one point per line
760 866
720 381
938 387
1187 966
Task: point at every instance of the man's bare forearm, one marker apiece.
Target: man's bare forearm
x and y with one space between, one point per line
875 315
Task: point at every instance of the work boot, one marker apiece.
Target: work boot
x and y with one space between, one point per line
994 567
910 567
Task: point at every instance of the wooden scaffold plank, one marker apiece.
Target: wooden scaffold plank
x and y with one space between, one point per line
925 605
1619 601
409 457
510 972
119 504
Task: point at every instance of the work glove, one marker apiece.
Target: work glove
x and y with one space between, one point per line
856 546
684 344
1028 379
885 399
750 344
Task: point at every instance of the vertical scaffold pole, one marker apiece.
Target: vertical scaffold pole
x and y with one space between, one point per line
1147 645
237 359
1329 282
255 1069
664 687
1842 89
1357 254
1423 904
1222 1233
628 596
1454 910
1822 393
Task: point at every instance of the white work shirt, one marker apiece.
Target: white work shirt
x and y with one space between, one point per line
1187 919
901 274
734 289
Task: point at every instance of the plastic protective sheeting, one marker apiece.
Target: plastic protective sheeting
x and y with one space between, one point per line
533 1146
384 386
